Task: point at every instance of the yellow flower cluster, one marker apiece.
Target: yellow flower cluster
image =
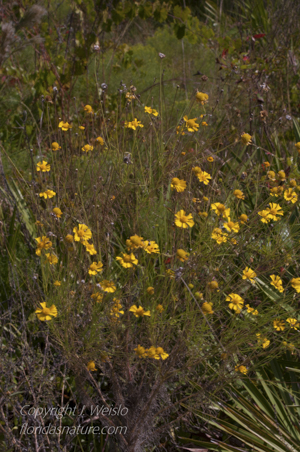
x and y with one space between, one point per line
152 352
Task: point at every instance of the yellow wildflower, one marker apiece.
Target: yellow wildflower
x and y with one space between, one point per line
178 185
140 351
202 97
182 255
236 302
45 313
184 221
100 140
239 194
108 286
241 369
249 274
279 325
51 258
43 166
91 366
95 268
42 243
295 282
88 109
207 308
47 194
127 260
191 125
277 283
82 233
139 311
57 212
55 146
246 139
87 148
64 126
290 195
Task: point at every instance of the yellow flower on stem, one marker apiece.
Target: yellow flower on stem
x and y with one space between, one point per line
87 148
265 216
281 175
160 351
140 351
88 109
295 282
213 285
204 177
271 175
51 258
43 166
178 185
97 296
241 369
202 97
55 146
42 243
182 255
82 233
243 218
57 283
207 308
150 290
279 325
232 226
135 242
293 323
277 283
57 212
290 195
95 268
45 313
100 140
91 366
251 310
47 194
219 236
219 208
139 312
197 170
151 353
151 247
90 248
239 194
210 159
133 124
246 139
276 191
236 302
191 125
274 210
184 221
249 274
108 286
65 126
263 341
116 309
69 238
151 111
159 308
127 260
